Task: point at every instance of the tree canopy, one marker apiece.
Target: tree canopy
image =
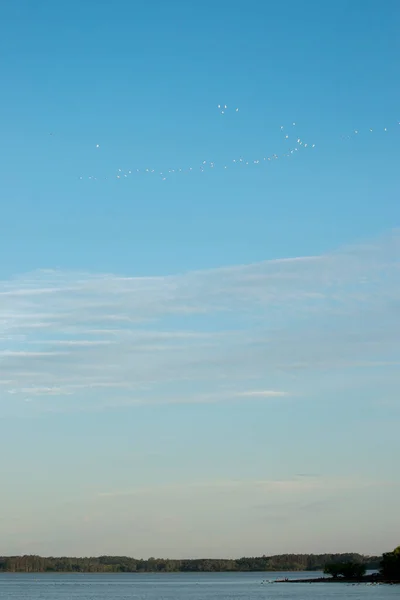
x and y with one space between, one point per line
115 564
348 570
390 565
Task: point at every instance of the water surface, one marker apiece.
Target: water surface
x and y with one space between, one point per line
180 586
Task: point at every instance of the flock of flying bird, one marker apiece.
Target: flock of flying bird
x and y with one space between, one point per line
296 146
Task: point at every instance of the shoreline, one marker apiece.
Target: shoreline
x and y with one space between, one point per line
371 579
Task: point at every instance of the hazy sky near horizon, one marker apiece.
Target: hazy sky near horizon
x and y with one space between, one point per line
200 282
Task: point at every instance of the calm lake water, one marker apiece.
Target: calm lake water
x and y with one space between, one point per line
180 586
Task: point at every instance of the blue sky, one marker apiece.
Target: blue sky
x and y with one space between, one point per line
202 352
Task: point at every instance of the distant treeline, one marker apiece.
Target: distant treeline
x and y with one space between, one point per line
124 564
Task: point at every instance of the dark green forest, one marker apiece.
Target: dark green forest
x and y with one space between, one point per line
125 564
390 565
389 568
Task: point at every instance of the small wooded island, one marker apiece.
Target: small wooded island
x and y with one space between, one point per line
355 572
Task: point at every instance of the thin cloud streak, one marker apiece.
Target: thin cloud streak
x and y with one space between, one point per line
289 486
261 394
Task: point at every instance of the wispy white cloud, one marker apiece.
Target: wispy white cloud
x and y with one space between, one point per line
286 487
28 354
244 332
261 394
